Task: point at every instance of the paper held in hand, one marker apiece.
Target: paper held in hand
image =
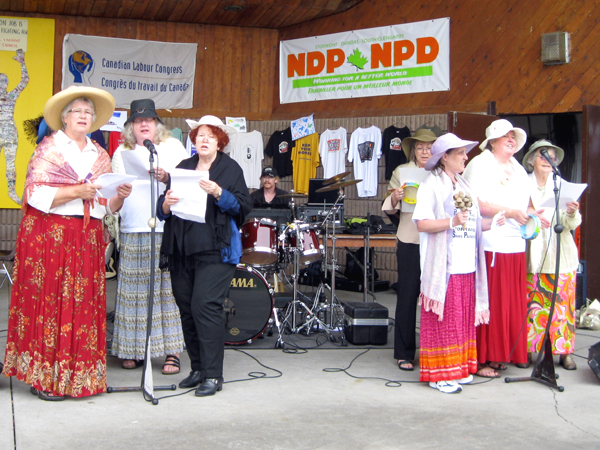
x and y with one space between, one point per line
111 181
192 198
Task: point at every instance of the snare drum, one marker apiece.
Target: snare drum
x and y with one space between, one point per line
259 242
248 306
310 248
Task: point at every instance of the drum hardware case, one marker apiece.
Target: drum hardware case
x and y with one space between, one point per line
366 323
316 213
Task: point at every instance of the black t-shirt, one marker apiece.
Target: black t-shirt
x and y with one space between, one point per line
258 198
392 149
280 147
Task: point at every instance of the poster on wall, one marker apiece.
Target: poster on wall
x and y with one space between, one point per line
26 67
397 59
132 69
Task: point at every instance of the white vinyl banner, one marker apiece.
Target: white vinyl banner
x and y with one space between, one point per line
132 69
397 59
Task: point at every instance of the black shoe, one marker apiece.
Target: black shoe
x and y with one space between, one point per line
209 387
193 380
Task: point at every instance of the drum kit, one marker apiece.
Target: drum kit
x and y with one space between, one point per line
278 251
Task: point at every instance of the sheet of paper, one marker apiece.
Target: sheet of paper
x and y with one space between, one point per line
136 162
411 175
111 181
569 192
192 198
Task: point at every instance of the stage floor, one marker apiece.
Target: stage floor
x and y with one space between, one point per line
306 401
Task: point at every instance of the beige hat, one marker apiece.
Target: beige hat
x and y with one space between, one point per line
542 143
501 127
421 135
215 121
104 105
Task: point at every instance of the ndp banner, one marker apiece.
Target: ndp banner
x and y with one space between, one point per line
398 59
132 69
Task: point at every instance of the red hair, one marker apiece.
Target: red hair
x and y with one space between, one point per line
222 137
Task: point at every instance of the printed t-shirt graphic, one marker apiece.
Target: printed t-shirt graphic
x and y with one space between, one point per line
280 148
365 151
248 153
305 158
333 147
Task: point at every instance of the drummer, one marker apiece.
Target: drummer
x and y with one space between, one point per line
269 194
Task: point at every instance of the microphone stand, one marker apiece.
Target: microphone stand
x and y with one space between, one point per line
147 385
543 369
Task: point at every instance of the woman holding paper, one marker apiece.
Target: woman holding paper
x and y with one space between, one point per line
57 319
418 152
541 261
133 285
202 256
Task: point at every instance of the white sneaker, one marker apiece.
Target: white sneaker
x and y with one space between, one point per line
466 380
447 387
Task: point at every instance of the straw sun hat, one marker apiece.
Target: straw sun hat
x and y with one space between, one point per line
104 105
421 135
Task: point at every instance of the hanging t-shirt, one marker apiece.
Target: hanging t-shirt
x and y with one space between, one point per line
305 158
190 148
248 153
365 151
391 148
333 147
280 148
115 139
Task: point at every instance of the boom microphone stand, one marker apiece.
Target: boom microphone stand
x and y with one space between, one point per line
147 385
543 370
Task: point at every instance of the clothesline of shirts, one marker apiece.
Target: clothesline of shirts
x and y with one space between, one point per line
301 157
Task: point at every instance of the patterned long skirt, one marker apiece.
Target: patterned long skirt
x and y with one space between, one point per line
562 327
447 349
133 292
57 318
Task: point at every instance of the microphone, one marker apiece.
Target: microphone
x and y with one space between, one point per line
547 157
150 146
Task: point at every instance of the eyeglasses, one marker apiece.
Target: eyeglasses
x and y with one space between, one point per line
86 112
208 138
422 148
553 158
143 119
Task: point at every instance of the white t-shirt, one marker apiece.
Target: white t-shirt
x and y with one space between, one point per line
333 147
248 153
136 209
365 151
461 243
488 181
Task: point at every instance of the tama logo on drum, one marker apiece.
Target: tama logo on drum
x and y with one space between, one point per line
242 283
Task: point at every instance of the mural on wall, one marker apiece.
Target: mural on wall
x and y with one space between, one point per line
9 136
27 65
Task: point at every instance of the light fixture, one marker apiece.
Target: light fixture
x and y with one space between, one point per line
555 48
233 8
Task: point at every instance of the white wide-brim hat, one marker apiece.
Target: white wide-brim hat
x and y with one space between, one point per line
104 105
215 121
501 127
444 143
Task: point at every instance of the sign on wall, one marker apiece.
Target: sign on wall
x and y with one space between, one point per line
398 59
132 69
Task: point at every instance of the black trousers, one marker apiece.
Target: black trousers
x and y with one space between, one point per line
199 294
407 294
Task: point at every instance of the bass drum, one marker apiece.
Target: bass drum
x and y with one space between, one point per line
248 306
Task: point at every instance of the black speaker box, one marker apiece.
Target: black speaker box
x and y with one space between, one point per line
365 323
594 359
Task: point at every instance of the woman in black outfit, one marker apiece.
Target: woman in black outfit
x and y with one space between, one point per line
202 257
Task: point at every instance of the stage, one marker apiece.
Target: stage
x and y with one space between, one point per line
305 401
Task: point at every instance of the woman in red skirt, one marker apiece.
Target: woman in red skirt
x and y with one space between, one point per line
57 319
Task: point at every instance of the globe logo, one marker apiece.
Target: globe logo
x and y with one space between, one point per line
80 64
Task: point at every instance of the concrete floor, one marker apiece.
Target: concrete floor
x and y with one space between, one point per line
309 406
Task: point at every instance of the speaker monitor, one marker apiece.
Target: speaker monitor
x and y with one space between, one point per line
594 359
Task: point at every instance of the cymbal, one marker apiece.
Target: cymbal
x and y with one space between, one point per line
335 178
338 185
293 195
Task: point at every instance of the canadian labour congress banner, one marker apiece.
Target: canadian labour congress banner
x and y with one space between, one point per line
398 59
132 69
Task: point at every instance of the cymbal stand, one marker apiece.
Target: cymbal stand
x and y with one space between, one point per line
334 304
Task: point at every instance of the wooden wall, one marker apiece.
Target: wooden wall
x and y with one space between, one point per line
235 67
495 50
